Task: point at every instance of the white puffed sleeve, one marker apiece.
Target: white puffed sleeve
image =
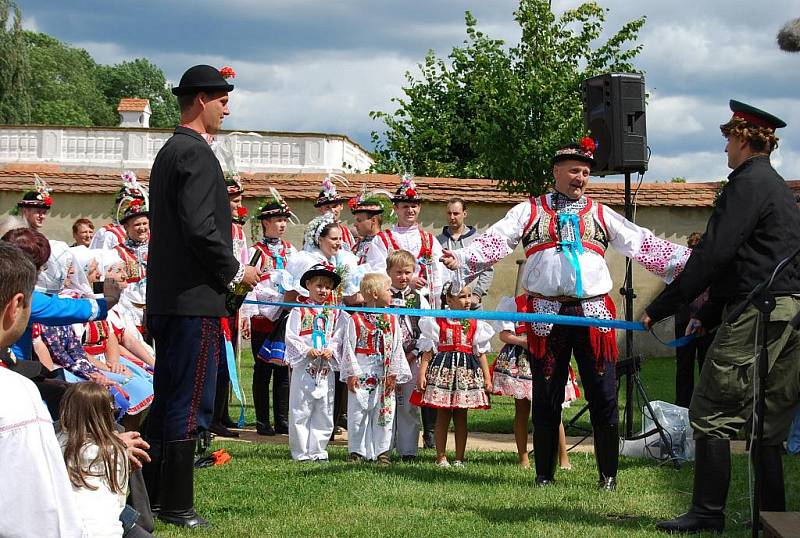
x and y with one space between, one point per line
348 363
376 255
297 347
659 256
482 341
398 365
506 304
429 335
296 266
351 272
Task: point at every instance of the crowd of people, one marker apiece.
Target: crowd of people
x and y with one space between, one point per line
124 323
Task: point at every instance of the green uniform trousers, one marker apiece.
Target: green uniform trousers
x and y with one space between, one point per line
723 400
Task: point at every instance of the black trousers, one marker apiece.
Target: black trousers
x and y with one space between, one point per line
188 353
685 359
263 373
599 388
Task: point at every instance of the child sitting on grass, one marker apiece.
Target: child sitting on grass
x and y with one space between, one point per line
454 374
373 362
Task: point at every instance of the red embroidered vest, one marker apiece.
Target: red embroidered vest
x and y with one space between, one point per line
135 270
540 233
366 332
425 254
269 261
452 336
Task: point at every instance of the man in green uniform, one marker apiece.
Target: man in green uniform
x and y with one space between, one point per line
755 224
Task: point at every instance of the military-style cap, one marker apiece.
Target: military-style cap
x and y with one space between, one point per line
756 116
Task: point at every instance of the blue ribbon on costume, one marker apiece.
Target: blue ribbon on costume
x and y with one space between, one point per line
318 340
572 248
230 357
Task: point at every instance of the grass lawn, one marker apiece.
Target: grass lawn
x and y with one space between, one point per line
261 492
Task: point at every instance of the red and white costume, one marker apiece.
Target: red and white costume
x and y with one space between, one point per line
108 236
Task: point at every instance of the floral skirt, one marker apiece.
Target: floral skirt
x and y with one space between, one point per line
511 373
455 381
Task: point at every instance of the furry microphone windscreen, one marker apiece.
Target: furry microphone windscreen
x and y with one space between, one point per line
789 36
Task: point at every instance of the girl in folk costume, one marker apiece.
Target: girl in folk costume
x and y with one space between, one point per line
35 204
565 235
407 234
373 362
268 323
370 210
313 346
400 265
329 201
454 374
511 376
96 459
133 252
113 233
233 325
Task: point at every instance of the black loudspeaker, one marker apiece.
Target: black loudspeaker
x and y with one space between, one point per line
613 111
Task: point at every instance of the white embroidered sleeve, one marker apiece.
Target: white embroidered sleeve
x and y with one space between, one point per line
482 341
297 347
429 335
659 256
348 364
398 365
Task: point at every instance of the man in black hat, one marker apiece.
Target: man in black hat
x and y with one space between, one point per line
34 207
565 234
755 224
191 268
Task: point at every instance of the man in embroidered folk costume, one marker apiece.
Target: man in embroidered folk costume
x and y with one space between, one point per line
35 205
407 234
113 233
191 268
755 224
370 211
329 201
134 252
268 323
565 235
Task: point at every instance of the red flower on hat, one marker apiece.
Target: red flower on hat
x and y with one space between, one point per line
411 193
227 72
352 203
587 145
135 204
48 201
241 212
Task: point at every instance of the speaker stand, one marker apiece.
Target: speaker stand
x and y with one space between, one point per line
628 293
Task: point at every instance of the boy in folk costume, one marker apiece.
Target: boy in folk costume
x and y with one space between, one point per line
35 204
268 323
373 362
134 251
565 235
313 346
370 212
221 421
408 235
400 266
112 234
329 201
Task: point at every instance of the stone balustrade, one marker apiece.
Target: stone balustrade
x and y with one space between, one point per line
136 148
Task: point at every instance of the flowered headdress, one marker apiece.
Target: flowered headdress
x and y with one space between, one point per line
314 230
407 191
133 208
375 202
39 197
582 151
273 206
233 180
329 194
131 190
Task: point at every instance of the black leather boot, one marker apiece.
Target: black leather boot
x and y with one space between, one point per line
773 493
177 487
280 398
428 427
606 453
261 377
545 450
712 476
151 472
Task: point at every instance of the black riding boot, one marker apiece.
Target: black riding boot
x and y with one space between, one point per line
218 424
545 450
428 426
177 487
712 475
606 452
261 377
152 474
773 494
280 398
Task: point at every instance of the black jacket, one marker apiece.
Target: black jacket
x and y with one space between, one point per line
755 224
190 261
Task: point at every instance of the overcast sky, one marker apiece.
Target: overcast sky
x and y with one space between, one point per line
314 65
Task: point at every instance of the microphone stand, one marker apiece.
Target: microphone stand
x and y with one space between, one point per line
761 298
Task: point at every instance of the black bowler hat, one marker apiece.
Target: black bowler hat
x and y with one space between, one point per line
321 269
756 116
202 78
582 151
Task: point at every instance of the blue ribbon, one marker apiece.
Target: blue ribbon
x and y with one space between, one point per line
318 335
230 357
573 247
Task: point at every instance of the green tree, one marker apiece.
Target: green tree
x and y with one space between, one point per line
491 111
678 179
15 101
63 85
142 80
